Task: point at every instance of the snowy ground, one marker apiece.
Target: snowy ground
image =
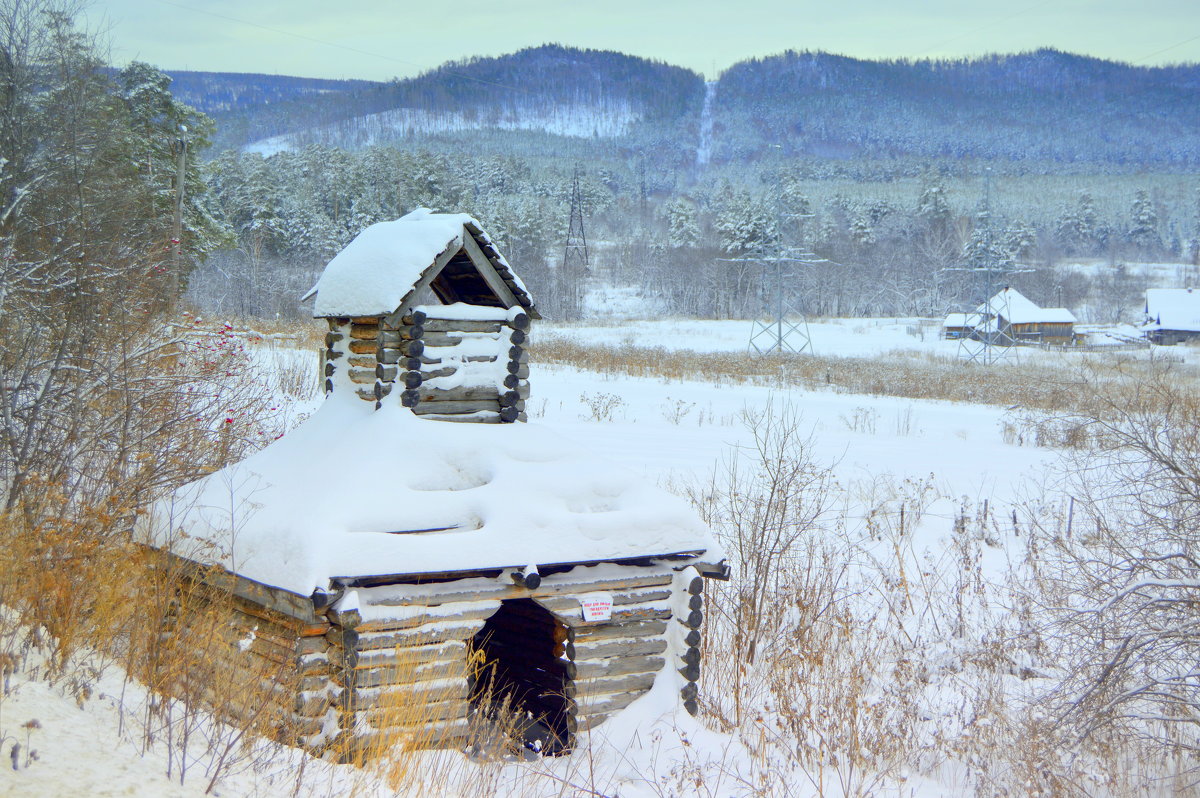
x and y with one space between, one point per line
672 433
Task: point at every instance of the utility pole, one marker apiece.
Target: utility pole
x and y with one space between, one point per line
575 257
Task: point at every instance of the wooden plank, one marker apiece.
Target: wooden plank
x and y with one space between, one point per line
485 267
431 595
396 318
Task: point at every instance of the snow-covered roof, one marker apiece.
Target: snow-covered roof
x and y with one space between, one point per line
381 266
356 492
955 320
1012 305
1173 309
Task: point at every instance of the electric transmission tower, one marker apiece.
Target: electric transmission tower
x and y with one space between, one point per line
784 329
575 257
990 337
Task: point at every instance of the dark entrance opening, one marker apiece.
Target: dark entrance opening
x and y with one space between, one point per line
520 681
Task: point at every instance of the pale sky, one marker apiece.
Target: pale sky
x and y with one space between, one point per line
381 39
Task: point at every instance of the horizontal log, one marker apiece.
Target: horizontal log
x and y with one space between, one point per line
518 337
328 386
692 706
518 354
412 348
462 325
362 361
446 593
391 355
412 675
693 638
690 672
641 595
412 379
638 646
695 602
414 317
332 354
363 347
609 703
467 612
364 332
691 656
332 338
696 586
433 371
312 705
385 373
422 635
329 369
693 619
519 321
510 414
453 734
394 338
591 690
465 418
690 691
364 320
402 695
371 395
416 714
442 340
361 376
593 669
450 650
459 393
444 407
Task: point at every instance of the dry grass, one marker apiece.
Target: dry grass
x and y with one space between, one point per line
902 374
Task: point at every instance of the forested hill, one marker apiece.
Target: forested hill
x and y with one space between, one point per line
1046 109
216 92
1045 106
604 93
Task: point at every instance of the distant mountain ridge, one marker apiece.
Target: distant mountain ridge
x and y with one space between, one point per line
1044 106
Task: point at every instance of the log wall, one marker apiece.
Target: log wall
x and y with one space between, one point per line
442 368
399 668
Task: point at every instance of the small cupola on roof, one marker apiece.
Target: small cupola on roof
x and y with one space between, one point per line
427 308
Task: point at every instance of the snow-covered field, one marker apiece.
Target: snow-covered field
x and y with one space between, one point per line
673 433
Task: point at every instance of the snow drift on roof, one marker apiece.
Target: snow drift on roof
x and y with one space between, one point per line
357 492
1173 309
379 268
1011 304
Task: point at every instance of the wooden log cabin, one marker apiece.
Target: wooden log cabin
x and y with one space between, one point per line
415 580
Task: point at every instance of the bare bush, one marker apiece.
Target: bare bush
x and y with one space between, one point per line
1120 576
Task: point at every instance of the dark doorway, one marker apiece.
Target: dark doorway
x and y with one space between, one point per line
520 681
